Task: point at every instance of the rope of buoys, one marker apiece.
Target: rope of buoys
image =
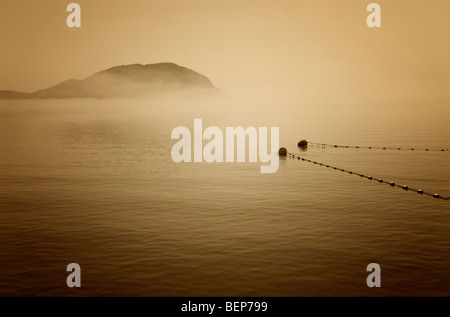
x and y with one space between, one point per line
284 152
323 145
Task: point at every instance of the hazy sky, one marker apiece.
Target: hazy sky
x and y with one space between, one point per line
310 47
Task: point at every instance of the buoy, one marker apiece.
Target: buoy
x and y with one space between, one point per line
302 144
380 180
436 195
420 191
369 177
392 183
282 151
405 187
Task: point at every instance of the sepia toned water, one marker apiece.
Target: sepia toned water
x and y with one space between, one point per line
92 182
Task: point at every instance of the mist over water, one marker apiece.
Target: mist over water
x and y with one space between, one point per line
92 182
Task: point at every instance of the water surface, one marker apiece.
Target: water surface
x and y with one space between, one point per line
92 182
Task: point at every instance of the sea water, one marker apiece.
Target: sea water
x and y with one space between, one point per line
92 182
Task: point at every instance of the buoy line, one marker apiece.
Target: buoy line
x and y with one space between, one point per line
392 184
377 147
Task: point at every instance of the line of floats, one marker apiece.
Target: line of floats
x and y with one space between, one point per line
304 144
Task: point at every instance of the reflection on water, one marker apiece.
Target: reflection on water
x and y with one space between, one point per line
92 182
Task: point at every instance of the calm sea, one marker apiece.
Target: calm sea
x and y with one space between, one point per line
92 182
